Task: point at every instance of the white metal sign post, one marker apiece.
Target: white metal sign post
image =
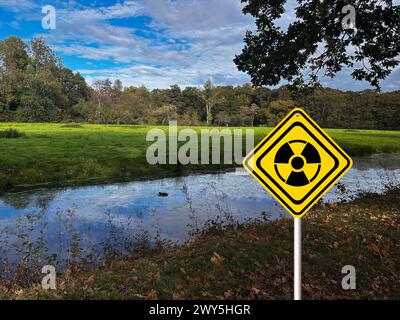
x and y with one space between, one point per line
297 259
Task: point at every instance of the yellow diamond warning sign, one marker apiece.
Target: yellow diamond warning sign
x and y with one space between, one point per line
297 163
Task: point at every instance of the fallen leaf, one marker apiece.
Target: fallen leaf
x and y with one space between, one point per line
151 295
217 259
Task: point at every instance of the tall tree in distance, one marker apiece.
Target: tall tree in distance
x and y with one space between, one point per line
210 97
42 55
14 61
250 111
320 42
103 91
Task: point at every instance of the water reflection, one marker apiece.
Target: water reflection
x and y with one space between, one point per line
90 215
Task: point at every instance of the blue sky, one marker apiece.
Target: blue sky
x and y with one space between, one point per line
155 43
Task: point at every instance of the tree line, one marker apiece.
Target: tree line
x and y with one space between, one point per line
35 86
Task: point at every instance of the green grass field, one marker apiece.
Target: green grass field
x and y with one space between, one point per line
59 154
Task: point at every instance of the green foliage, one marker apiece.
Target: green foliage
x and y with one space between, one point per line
11 134
317 41
71 125
34 85
13 54
42 98
240 106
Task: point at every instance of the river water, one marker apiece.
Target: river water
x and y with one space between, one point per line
95 216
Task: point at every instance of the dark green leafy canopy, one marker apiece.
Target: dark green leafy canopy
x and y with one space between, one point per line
316 42
34 84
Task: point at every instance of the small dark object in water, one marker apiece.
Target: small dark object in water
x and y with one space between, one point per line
163 194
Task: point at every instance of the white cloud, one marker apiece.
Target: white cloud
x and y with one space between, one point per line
215 64
191 41
186 42
182 17
17 5
87 33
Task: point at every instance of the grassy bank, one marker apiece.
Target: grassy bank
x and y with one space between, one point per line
76 154
255 261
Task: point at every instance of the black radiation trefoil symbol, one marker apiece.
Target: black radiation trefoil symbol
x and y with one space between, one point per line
302 163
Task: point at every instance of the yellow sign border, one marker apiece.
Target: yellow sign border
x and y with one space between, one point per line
322 192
